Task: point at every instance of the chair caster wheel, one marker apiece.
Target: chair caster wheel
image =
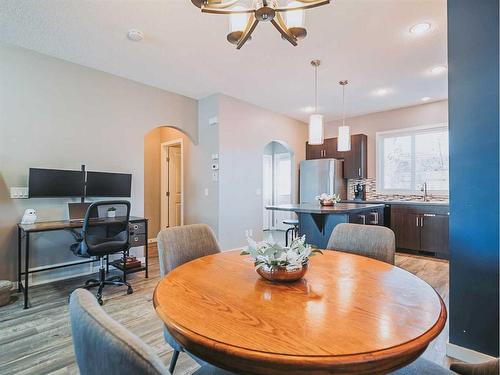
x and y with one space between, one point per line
130 290
99 301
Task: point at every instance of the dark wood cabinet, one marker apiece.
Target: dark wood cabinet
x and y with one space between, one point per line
355 160
421 228
433 227
406 229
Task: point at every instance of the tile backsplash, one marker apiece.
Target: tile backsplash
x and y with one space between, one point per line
372 195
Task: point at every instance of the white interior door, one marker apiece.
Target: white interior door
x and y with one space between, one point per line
174 192
267 191
282 187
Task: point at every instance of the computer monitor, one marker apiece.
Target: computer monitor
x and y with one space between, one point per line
104 184
77 211
46 183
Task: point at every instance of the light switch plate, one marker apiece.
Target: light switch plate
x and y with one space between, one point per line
19 193
213 121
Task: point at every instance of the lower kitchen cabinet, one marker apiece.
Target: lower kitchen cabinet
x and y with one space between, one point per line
421 228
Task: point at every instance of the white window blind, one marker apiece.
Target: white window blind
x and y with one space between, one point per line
409 157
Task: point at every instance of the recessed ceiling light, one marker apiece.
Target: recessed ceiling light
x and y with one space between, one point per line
439 69
382 92
308 109
420 28
426 98
135 35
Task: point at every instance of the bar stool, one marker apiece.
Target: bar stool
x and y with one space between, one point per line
294 229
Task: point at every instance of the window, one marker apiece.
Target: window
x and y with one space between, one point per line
408 158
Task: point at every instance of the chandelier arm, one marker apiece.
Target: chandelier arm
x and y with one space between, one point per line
280 25
251 25
215 10
308 4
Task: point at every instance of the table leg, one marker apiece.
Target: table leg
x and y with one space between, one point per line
26 269
107 264
124 266
19 260
147 250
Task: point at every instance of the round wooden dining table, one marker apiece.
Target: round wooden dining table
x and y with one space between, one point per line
348 315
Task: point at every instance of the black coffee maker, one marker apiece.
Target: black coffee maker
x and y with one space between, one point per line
359 192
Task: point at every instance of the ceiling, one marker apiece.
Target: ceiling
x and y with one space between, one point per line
365 41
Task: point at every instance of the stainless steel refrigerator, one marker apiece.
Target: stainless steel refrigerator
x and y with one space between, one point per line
321 176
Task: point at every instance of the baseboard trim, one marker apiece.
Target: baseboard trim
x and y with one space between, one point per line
466 355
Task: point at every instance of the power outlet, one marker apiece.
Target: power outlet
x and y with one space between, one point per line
19 193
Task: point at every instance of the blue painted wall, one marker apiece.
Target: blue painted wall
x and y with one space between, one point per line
473 50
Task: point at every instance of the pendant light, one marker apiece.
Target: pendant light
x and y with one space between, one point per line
316 130
344 137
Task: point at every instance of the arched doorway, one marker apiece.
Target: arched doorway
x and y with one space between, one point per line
277 186
166 150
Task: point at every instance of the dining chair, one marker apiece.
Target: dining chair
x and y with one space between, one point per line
179 245
491 367
104 346
368 240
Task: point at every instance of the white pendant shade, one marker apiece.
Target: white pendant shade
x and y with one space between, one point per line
316 131
238 21
344 139
295 18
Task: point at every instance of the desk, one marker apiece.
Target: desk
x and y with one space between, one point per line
138 237
349 315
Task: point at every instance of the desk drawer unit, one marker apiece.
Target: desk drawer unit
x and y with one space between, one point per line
137 228
137 239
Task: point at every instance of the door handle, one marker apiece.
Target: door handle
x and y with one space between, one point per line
418 222
375 218
363 219
429 215
359 172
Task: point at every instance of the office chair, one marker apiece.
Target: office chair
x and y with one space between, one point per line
100 239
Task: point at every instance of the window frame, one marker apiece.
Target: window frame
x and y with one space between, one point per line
379 153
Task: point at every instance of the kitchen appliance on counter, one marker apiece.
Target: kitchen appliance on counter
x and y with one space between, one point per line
321 176
359 192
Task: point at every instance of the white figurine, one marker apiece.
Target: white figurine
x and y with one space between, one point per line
29 216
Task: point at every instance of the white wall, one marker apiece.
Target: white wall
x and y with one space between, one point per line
60 115
425 114
244 132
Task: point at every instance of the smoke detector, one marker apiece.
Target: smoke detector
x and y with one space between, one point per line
135 35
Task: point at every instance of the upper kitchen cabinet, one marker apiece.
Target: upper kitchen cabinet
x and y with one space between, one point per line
355 161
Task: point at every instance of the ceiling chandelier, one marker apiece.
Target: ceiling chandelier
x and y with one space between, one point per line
287 18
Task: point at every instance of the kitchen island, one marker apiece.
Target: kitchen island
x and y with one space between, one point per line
317 222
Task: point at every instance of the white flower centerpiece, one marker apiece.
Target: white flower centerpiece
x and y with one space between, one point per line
328 199
277 263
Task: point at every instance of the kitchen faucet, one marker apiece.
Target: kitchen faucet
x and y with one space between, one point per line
423 189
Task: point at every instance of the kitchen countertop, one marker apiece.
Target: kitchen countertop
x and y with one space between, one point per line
315 208
412 202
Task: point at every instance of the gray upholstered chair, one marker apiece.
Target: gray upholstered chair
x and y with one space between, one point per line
491 367
179 245
368 240
103 346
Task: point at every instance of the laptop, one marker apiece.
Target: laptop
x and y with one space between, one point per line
77 212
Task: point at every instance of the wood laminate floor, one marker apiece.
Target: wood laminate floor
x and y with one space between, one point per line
38 340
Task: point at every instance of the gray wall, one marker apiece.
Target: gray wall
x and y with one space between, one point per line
60 115
244 132
200 208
